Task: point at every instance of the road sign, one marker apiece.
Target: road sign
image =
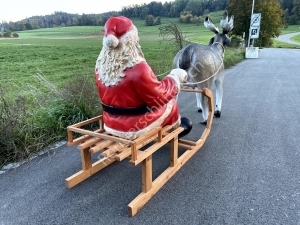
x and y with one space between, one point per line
255 25
254 32
255 20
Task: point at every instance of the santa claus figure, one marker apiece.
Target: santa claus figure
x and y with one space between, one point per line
133 100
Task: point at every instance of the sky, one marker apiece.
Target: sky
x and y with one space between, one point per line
14 10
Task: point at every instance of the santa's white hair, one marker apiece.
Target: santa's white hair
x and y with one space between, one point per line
117 55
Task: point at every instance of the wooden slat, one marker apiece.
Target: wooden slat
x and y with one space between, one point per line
84 174
78 140
113 149
70 137
100 135
149 151
101 145
173 151
86 122
102 163
86 159
123 155
144 137
133 151
187 142
127 152
82 138
88 143
187 147
77 178
147 174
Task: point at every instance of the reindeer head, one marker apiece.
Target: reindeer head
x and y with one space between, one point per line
226 26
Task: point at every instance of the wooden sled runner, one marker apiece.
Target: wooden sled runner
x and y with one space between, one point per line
117 149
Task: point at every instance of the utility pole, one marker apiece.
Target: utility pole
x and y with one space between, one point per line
250 24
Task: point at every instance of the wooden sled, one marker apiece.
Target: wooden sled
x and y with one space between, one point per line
117 149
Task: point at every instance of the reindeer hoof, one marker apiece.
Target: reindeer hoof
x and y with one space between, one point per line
187 125
217 113
199 110
204 122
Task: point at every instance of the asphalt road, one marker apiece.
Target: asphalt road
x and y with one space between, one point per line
247 172
287 38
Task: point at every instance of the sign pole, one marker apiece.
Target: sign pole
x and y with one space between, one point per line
250 23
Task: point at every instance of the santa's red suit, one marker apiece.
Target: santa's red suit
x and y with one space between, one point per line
134 101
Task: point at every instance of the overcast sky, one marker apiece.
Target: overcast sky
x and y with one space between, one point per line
14 10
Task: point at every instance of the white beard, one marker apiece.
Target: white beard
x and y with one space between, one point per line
112 62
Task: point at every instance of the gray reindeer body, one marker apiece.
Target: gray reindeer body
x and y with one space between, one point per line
204 65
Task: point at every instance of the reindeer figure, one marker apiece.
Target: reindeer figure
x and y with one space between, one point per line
204 64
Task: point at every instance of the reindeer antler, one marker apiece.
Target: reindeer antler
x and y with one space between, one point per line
208 24
225 24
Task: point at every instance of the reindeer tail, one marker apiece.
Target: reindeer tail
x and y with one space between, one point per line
186 57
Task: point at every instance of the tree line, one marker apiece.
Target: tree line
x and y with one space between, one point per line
156 9
186 10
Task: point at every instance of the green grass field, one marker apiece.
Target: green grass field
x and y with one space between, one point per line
290 29
296 38
55 54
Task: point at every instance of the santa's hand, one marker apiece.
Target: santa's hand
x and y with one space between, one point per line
180 73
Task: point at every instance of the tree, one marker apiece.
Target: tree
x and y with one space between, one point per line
195 7
296 11
149 20
185 17
7 33
196 20
144 13
157 21
15 35
271 19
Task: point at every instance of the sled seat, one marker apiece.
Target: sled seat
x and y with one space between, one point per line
117 149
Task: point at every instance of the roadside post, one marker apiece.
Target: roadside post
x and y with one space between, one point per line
251 51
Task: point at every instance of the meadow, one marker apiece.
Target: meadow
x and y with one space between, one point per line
47 79
296 38
57 54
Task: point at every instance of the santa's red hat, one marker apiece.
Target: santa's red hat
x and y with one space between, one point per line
114 29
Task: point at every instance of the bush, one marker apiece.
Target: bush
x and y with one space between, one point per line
235 41
15 35
7 34
149 20
233 56
185 17
25 132
157 21
196 20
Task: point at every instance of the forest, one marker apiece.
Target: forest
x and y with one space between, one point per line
192 8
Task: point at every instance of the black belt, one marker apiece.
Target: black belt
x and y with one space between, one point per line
126 111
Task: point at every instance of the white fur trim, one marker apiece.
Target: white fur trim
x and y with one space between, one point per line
110 41
177 123
135 134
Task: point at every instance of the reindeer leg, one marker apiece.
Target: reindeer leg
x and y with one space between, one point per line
204 104
198 99
219 94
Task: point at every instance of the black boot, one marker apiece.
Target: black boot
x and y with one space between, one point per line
187 125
